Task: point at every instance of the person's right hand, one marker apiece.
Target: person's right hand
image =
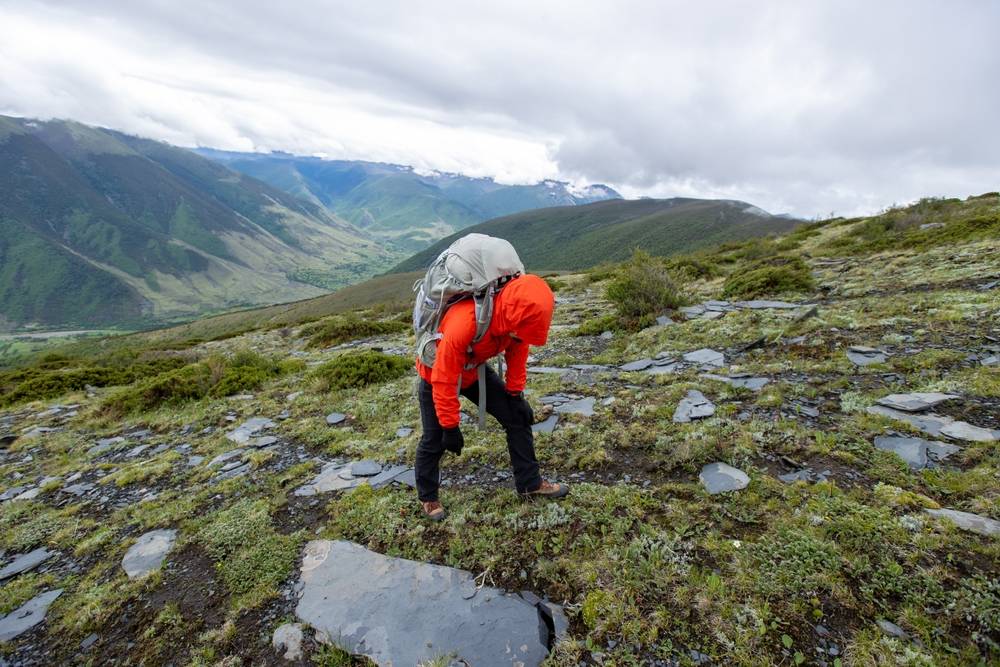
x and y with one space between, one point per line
453 440
520 408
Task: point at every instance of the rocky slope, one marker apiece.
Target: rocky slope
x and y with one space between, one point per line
804 476
100 228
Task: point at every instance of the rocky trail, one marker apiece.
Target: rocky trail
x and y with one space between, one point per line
728 465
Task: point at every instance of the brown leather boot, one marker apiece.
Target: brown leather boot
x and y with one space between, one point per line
434 511
548 490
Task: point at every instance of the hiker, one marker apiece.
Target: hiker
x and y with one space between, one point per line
522 313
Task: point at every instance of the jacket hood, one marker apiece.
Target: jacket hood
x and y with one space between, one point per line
524 308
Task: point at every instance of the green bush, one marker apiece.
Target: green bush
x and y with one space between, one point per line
642 289
358 369
340 329
215 376
597 325
768 278
693 268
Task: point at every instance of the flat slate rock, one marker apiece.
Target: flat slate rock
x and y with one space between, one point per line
242 433
547 426
402 612
404 432
693 406
148 552
27 616
917 452
965 431
973 523
25 562
580 406
638 365
744 381
339 477
917 402
721 478
706 357
762 304
865 356
365 468
335 418
287 640
938 425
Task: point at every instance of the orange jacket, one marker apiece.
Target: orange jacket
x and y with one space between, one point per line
522 308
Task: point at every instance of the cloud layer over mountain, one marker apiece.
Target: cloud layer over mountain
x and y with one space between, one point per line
801 107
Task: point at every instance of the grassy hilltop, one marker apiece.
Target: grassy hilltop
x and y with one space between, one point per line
648 565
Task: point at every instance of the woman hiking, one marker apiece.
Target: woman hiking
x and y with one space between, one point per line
522 314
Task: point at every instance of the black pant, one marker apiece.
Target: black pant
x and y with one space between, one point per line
520 440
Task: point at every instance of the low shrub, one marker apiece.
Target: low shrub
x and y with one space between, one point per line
768 278
595 326
215 376
642 289
359 369
693 268
340 329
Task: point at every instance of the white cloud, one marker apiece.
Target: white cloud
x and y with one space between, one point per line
801 107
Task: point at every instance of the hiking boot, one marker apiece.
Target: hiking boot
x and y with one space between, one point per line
548 490
434 511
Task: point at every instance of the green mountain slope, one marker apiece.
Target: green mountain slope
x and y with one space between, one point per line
99 228
398 205
575 237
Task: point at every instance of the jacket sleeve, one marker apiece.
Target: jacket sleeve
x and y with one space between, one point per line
516 356
448 366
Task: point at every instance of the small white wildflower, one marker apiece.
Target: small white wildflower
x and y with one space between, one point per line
737 544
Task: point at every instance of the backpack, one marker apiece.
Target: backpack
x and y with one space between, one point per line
476 267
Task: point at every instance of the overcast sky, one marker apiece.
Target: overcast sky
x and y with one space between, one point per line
802 106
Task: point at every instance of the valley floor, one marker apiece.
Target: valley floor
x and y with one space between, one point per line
827 556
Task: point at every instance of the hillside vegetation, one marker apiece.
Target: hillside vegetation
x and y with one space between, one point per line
584 236
405 209
99 228
835 551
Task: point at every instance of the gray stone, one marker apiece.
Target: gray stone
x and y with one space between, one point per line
409 478
89 641
917 402
865 356
744 381
110 442
235 471
288 638
12 493
721 478
805 475
335 418
547 370
30 494
242 433
692 311
706 357
260 443
148 552
663 366
663 321
966 431
25 562
225 457
365 468
78 489
582 406
195 461
136 451
337 477
912 450
761 304
404 432
891 629
930 424
973 523
547 426
932 225
639 365
401 612
693 406
27 616
713 314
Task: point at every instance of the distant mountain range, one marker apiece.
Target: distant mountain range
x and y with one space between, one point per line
577 237
101 228
406 209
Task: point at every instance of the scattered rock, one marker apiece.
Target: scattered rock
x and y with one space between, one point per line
966 431
547 426
78 489
973 523
226 457
401 612
288 638
865 356
148 552
891 629
740 380
25 562
242 433
338 477
917 452
933 424
365 468
335 418
706 357
915 402
260 443
27 616
88 641
693 406
638 365
761 304
721 477
404 432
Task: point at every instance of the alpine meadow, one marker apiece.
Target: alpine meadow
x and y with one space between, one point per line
510 335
